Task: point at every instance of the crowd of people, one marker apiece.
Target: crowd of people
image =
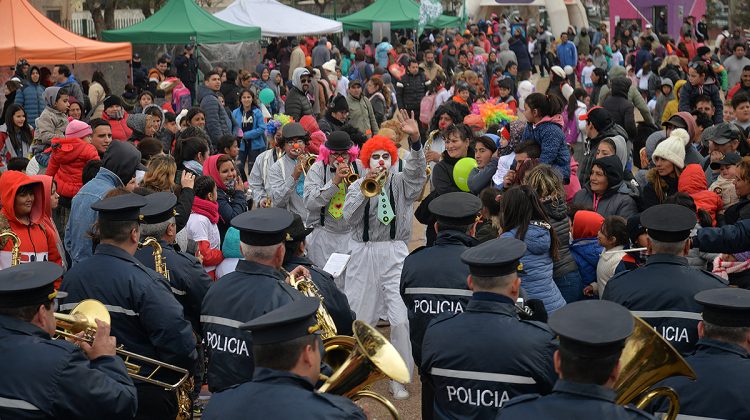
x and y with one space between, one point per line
559 177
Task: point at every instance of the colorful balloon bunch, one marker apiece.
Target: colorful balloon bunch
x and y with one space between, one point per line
278 121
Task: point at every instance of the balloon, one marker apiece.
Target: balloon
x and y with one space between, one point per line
267 96
461 171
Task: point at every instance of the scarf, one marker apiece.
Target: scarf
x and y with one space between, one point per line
206 208
193 166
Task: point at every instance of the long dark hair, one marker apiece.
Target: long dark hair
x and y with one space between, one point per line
98 77
187 148
547 105
521 207
14 132
254 104
578 95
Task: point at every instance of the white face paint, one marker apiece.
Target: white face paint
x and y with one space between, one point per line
380 158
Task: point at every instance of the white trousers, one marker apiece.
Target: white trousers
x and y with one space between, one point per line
373 276
320 244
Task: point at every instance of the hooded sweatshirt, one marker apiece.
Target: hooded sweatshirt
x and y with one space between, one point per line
47 220
662 100
38 243
633 94
585 247
69 156
617 200
51 123
673 105
693 181
297 104
620 107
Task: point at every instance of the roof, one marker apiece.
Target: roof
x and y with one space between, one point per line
265 14
402 14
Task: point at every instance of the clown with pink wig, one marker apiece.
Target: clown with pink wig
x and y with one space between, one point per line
325 190
381 227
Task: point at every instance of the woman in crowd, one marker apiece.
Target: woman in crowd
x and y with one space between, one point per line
160 176
524 219
145 98
740 210
230 193
606 192
98 90
75 109
16 135
31 96
669 160
600 79
190 154
250 119
485 150
196 118
117 118
380 99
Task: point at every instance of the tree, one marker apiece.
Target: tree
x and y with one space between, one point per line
103 14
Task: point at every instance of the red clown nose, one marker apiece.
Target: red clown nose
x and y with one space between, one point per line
296 146
339 159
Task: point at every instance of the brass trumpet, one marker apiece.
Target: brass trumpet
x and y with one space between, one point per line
349 180
307 161
371 187
15 251
82 319
308 288
160 265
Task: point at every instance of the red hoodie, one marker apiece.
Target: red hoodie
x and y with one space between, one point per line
69 156
693 182
38 243
120 129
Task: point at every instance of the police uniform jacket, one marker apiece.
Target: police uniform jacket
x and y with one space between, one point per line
275 394
250 291
720 392
480 359
146 318
433 281
571 400
52 379
661 292
334 299
187 279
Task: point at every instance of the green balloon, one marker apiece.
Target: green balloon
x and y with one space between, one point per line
267 96
461 171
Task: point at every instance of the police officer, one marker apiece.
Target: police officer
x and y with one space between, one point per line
287 351
721 359
433 280
256 287
334 299
146 318
592 336
52 379
187 278
661 291
479 359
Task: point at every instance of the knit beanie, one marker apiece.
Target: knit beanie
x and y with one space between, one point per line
77 130
112 100
673 148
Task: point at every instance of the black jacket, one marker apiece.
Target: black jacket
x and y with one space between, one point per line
410 90
231 93
557 211
584 169
297 105
328 124
620 107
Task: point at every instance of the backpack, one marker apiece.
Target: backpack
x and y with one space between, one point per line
427 108
181 99
355 74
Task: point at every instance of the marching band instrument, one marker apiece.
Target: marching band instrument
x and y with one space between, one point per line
351 177
15 251
371 187
428 148
82 320
627 250
646 360
372 358
308 288
160 265
307 160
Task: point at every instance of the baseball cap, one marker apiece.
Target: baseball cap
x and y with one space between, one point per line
731 158
598 117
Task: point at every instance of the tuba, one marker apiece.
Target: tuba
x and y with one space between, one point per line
647 359
371 359
308 288
15 251
159 264
82 320
371 187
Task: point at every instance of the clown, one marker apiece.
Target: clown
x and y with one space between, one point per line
325 191
381 226
287 177
259 179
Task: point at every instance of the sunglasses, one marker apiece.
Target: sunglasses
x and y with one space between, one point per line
304 80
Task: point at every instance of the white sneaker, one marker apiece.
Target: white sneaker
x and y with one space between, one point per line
398 391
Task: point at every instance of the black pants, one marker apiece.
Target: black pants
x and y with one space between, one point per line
428 398
155 403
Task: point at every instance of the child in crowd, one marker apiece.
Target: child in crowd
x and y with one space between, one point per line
545 126
505 87
613 236
227 145
692 181
585 246
490 225
638 239
202 225
53 120
586 72
724 184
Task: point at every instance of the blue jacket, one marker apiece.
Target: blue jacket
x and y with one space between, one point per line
31 98
521 49
586 251
567 54
551 139
77 241
256 135
689 94
216 121
74 89
537 263
230 205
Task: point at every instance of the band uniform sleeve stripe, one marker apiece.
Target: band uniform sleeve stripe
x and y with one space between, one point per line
483 376
668 314
437 291
19 404
689 417
178 292
221 321
110 308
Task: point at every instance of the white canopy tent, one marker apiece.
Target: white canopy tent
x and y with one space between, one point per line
276 19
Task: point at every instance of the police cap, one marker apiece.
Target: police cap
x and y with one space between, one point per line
592 328
497 257
293 320
159 207
726 307
263 227
29 284
668 222
297 232
456 208
122 208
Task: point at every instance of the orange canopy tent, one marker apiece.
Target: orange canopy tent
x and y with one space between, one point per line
26 33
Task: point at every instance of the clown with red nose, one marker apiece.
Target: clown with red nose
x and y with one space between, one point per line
286 176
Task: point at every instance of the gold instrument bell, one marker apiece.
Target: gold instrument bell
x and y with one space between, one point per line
371 187
15 251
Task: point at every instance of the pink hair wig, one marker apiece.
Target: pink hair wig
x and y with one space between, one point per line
324 154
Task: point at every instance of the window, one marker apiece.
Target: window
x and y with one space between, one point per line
55 15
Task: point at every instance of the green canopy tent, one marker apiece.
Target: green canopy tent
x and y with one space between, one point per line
402 14
183 22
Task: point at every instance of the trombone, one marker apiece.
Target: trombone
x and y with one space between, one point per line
82 319
373 186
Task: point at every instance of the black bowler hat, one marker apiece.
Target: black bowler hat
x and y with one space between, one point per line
497 257
263 227
159 207
668 222
456 208
293 320
122 208
29 284
297 232
339 141
293 130
592 328
726 307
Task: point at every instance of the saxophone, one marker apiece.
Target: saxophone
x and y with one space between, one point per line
15 251
306 286
159 264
